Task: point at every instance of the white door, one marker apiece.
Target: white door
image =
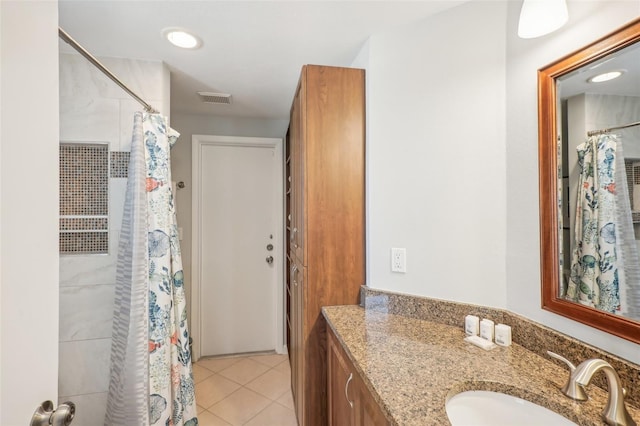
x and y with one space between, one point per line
29 284
240 197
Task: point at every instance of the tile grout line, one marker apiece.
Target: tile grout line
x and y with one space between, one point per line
258 413
271 401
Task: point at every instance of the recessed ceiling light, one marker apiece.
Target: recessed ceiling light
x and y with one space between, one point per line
605 76
182 38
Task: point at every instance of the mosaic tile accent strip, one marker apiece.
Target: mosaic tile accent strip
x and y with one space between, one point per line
119 164
84 198
84 242
84 223
531 335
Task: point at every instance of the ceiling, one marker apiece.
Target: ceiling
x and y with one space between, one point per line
253 50
626 60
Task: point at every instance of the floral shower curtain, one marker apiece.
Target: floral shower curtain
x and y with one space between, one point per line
151 379
594 264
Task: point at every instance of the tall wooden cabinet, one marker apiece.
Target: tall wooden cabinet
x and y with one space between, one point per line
325 221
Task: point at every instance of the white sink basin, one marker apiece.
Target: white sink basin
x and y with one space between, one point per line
485 408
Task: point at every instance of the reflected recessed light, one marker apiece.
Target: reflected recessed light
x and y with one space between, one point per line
182 38
605 76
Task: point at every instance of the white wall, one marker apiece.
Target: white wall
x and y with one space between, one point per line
94 109
193 124
452 171
29 208
588 21
436 155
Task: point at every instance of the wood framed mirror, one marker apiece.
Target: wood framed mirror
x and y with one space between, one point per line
554 171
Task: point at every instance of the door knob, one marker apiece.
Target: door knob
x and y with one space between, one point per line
42 414
269 260
45 415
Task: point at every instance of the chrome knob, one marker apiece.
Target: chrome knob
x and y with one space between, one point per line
42 414
45 415
269 260
64 414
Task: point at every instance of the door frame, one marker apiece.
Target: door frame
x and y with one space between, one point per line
198 142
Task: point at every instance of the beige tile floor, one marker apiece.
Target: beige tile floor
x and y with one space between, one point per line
251 390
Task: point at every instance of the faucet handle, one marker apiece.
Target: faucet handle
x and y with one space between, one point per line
572 389
563 359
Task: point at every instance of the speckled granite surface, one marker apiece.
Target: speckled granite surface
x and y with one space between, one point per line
412 366
531 335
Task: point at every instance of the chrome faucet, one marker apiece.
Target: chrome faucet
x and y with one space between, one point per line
571 388
615 412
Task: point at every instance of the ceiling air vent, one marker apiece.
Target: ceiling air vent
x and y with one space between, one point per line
215 98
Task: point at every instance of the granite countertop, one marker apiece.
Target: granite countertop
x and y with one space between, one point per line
413 366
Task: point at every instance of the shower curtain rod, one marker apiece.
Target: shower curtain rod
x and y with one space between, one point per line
67 38
603 131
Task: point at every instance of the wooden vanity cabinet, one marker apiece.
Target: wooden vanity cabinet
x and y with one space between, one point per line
342 403
369 413
349 402
325 221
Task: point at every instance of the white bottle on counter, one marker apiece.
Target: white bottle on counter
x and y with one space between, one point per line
471 325
486 329
503 335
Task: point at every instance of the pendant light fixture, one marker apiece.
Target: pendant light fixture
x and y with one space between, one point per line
540 17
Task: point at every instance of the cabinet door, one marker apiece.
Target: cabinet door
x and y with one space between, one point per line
341 392
289 249
369 412
292 181
297 337
288 299
349 401
298 174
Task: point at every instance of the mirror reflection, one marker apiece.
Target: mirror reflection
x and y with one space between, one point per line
598 116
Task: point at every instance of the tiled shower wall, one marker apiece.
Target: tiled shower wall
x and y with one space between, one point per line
591 112
94 109
603 111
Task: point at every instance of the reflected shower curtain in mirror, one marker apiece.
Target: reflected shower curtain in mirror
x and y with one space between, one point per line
151 381
594 264
627 248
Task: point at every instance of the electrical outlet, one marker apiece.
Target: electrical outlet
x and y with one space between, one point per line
399 260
